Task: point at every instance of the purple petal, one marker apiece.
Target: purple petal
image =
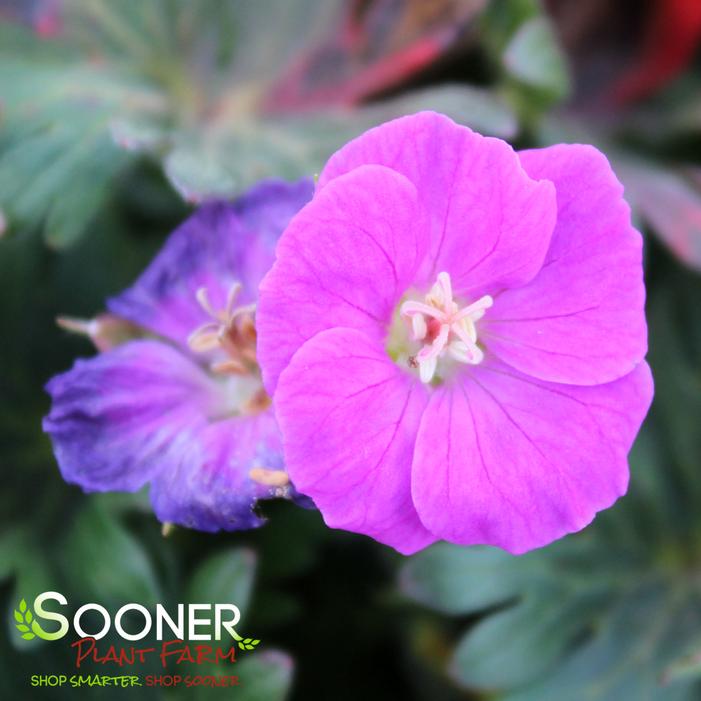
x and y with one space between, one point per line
206 485
345 260
114 415
145 412
221 243
507 460
582 319
349 418
490 222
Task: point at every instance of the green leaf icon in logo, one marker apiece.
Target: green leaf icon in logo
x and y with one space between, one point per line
246 643
27 625
23 618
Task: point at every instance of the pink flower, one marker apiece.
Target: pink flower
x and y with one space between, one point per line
455 335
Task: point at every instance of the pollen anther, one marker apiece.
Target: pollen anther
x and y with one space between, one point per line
231 329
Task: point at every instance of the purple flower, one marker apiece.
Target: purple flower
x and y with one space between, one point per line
455 335
183 407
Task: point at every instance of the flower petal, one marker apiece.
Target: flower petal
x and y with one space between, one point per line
490 222
145 412
349 418
581 320
344 260
504 459
207 484
221 243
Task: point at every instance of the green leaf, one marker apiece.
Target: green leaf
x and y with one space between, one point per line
12 541
463 580
23 628
22 605
688 666
28 636
534 57
543 648
28 616
520 644
18 616
97 541
224 577
57 158
502 20
626 657
265 676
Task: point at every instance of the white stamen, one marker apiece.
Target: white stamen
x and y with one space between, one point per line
202 296
231 298
427 369
204 338
410 308
418 326
457 335
446 287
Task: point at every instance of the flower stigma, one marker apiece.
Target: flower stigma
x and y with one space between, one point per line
443 328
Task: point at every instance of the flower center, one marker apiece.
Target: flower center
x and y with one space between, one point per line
231 337
443 328
233 331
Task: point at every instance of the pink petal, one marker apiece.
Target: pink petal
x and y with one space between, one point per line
344 260
581 320
490 222
349 418
507 460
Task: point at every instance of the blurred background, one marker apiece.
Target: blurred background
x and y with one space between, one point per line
116 118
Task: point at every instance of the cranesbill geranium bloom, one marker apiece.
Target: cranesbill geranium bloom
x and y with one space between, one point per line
455 336
183 407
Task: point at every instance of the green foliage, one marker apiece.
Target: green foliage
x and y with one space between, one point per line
184 84
57 160
94 545
533 57
226 576
266 675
